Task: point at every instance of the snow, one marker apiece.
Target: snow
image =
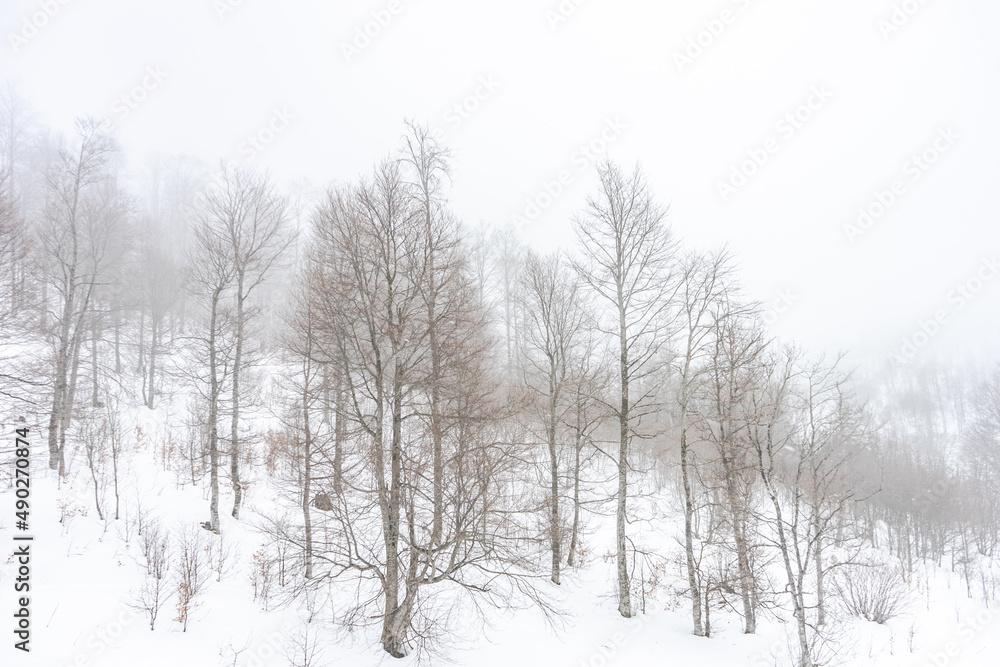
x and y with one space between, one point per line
84 573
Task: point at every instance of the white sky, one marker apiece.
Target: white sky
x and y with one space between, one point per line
557 88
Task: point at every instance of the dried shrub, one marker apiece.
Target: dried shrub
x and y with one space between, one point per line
873 591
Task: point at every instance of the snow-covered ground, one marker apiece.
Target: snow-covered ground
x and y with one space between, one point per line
85 572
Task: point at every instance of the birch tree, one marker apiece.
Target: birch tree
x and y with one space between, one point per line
736 346
553 326
771 433
704 283
628 261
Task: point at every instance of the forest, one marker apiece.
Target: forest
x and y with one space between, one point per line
425 422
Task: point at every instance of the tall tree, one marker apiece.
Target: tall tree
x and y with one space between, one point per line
301 339
705 280
554 325
426 164
161 287
84 212
391 531
211 278
771 434
253 218
628 260
835 432
737 344
16 138
12 248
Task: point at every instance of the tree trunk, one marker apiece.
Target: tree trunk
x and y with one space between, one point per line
577 447
142 340
624 597
340 427
67 411
307 469
95 399
213 412
742 548
437 435
55 416
820 586
554 471
395 622
63 353
689 531
794 586
118 341
93 475
234 463
154 340
114 465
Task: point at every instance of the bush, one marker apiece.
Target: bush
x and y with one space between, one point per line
873 591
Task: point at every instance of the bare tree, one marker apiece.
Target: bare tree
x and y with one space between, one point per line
628 261
253 218
735 348
193 571
982 443
115 443
301 339
93 436
373 264
210 278
771 432
427 164
83 213
704 282
162 286
13 248
509 260
479 244
153 593
587 383
836 429
809 434
17 121
553 327
381 238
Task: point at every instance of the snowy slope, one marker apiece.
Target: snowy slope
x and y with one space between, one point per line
84 573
